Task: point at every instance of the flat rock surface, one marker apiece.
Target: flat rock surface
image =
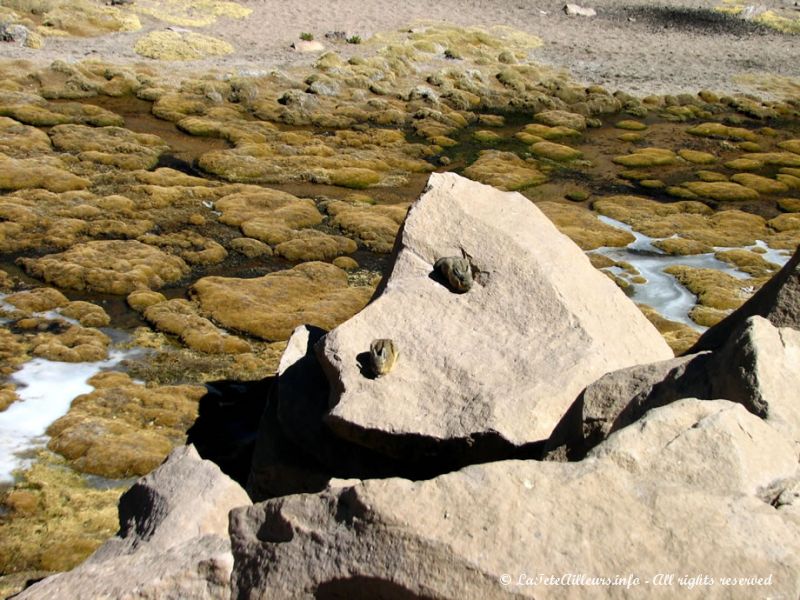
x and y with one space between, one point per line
675 493
538 313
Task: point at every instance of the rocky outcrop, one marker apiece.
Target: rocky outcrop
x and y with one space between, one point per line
545 322
682 488
172 541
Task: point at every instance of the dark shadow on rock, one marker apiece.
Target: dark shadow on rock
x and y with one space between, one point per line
297 452
365 365
226 427
364 588
437 276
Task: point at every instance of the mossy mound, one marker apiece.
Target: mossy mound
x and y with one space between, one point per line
505 171
54 518
744 164
270 307
113 146
375 227
76 344
174 45
630 125
583 227
43 172
647 157
692 221
192 247
310 245
19 141
711 176
536 132
720 131
555 152
561 118
679 336
778 159
748 262
179 317
486 136
722 190
124 429
113 267
762 185
191 13
679 246
85 19
713 288
697 157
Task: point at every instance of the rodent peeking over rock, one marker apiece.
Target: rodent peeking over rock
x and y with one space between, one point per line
382 354
457 271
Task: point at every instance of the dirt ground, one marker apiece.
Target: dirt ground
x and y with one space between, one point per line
671 46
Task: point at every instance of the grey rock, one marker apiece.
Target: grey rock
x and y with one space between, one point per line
15 33
678 492
575 10
756 367
172 543
501 362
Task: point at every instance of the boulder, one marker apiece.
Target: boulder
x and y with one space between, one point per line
778 300
679 492
172 541
757 367
295 450
545 320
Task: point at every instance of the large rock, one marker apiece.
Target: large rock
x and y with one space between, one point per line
504 360
778 300
295 450
680 492
756 367
172 541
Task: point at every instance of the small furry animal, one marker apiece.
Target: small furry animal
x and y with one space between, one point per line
383 354
457 271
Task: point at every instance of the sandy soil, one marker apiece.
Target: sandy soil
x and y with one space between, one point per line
641 47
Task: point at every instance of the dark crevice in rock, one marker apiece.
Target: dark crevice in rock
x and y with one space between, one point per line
364 588
227 424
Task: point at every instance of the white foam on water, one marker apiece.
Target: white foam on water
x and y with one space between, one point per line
45 389
662 291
